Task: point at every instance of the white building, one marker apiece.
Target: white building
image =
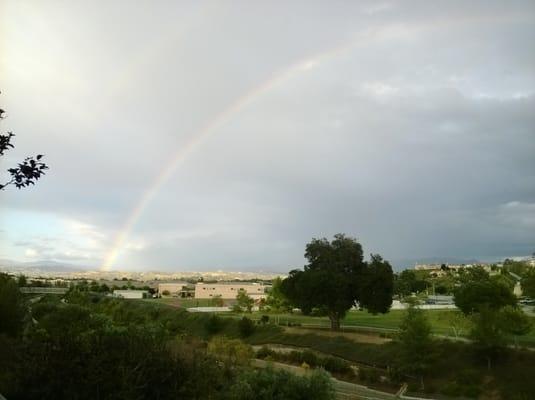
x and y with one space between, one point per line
131 294
229 290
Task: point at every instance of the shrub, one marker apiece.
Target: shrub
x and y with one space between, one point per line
468 377
451 389
264 319
236 308
370 375
336 365
214 324
395 375
414 387
246 327
217 301
429 388
294 356
309 357
174 326
265 352
472 391
270 384
231 351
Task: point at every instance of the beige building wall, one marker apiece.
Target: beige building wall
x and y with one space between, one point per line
172 287
228 290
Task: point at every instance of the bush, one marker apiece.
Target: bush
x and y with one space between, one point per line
237 309
472 391
174 326
231 352
294 356
468 377
309 357
264 319
468 383
214 324
414 387
451 389
329 363
430 388
370 375
270 384
246 327
336 365
265 352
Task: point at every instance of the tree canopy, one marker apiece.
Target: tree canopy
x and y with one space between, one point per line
244 301
337 278
492 307
408 282
12 307
528 284
480 293
276 300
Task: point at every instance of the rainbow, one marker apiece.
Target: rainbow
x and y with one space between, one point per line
234 108
200 137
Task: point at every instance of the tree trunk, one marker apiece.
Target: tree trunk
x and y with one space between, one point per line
335 322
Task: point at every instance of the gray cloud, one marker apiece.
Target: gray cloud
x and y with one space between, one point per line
408 125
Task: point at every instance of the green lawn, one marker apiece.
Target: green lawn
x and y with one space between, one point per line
355 320
183 303
389 321
362 320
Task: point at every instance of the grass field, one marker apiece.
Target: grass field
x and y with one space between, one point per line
389 322
355 320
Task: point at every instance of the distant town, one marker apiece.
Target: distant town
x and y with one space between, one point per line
225 285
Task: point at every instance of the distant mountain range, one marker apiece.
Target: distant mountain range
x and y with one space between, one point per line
49 266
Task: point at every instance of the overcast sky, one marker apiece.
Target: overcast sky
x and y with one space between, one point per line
225 135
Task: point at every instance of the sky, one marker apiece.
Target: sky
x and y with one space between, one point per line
211 135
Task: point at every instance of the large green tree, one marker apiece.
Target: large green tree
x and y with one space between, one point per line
337 278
